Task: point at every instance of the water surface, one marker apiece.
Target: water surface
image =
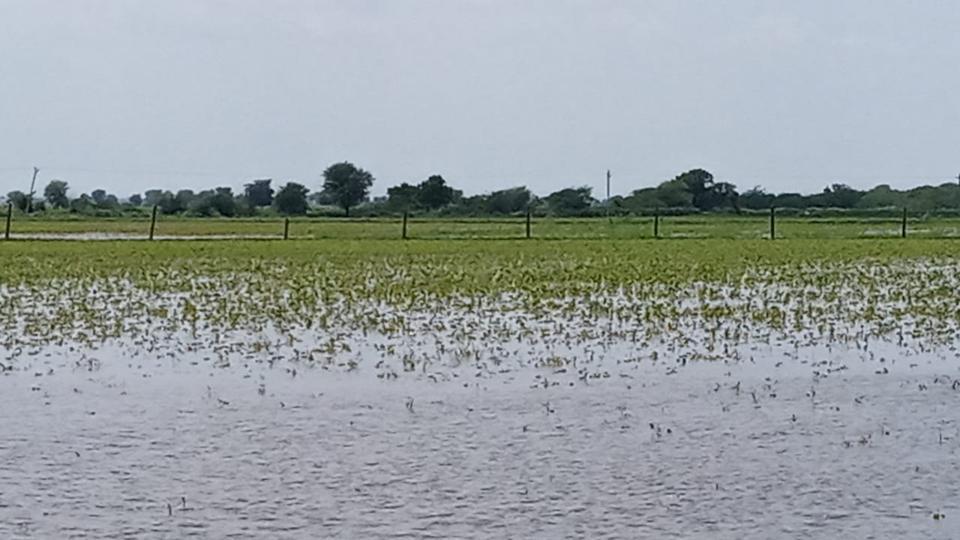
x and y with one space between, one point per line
826 444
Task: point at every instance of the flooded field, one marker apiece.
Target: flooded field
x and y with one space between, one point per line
515 391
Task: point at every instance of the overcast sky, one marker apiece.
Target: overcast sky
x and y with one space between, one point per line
790 95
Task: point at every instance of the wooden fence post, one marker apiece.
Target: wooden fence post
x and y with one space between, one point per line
773 222
153 221
903 224
6 232
528 222
286 228
404 234
656 225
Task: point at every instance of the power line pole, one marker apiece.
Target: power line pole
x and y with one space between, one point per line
32 184
608 187
607 202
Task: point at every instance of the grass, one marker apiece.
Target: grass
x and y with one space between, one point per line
712 226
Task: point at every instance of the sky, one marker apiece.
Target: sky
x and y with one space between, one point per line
791 96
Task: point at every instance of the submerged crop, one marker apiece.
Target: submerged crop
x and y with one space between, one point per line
437 308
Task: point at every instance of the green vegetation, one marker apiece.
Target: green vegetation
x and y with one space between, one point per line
399 306
346 192
347 185
476 266
745 226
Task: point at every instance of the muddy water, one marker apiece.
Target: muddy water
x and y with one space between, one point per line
168 449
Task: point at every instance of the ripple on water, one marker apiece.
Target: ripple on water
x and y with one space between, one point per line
735 451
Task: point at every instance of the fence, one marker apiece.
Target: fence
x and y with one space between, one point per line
753 226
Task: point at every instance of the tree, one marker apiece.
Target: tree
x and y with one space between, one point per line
19 200
167 202
218 201
700 185
723 194
926 198
82 204
509 201
152 197
790 200
404 197
184 198
570 201
881 196
643 199
697 188
474 205
836 196
291 199
434 193
135 199
259 193
675 194
104 200
347 184
756 199
56 194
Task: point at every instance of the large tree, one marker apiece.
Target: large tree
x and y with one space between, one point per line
404 197
570 201
697 188
99 196
756 198
509 201
674 194
434 193
347 184
700 185
259 193
723 194
790 200
836 196
168 203
291 199
19 200
218 201
184 198
56 194
152 197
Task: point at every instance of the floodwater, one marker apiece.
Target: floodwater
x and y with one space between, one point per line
809 444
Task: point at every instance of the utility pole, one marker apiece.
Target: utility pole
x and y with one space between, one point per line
608 186
32 184
958 179
607 203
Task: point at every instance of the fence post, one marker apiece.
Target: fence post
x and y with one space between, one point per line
656 225
286 228
6 231
528 222
404 225
903 224
153 221
773 222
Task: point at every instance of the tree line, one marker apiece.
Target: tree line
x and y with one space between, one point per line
346 190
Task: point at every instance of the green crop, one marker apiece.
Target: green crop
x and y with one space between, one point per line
419 305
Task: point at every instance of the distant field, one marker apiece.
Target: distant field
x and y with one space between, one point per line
732 227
